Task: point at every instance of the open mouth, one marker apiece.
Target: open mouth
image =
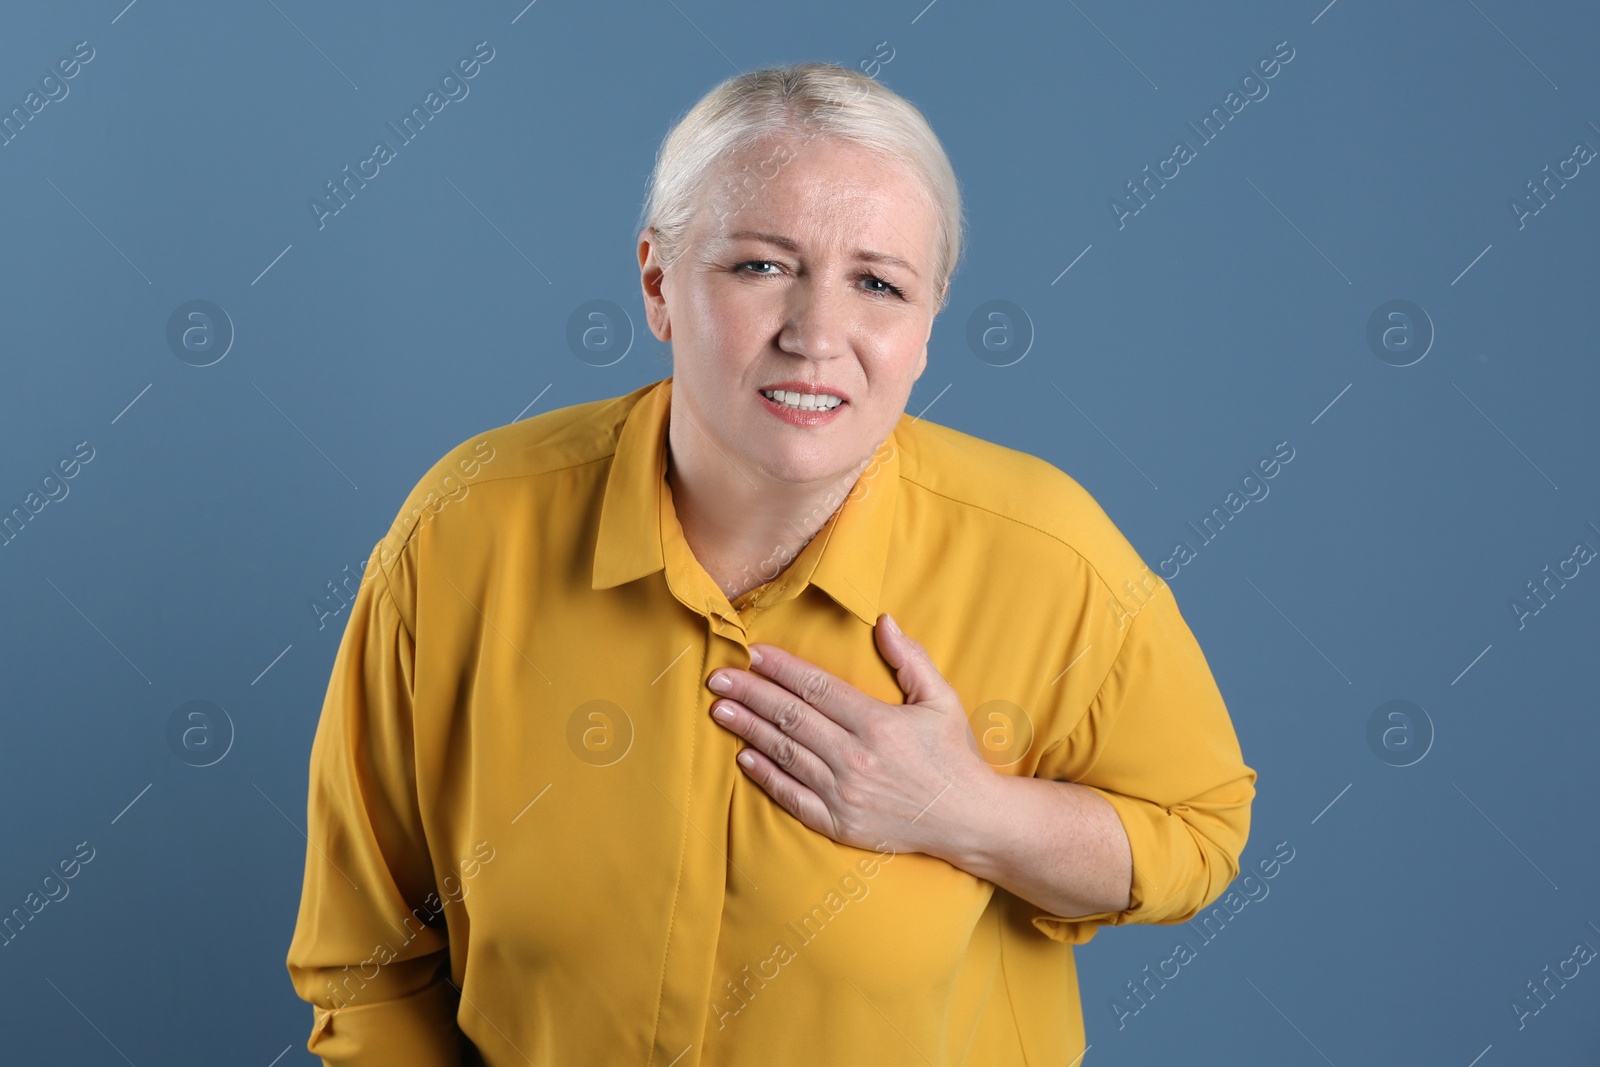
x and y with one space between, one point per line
803 401
802 409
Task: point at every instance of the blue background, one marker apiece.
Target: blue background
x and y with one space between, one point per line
1229 314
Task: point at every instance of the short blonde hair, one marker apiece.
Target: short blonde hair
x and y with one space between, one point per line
816 99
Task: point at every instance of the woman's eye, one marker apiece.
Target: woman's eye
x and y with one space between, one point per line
889 289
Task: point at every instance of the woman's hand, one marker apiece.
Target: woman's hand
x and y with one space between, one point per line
861 771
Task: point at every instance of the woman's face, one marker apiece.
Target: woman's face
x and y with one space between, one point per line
813 268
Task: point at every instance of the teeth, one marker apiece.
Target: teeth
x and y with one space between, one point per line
803 401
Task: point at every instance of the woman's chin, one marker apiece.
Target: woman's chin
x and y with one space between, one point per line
806 467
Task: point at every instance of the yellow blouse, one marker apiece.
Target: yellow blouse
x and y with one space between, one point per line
529 843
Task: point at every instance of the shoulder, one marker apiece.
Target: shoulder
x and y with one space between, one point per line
1031 503
518 453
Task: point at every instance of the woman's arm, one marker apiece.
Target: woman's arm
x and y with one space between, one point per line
1058 845
1157 747
370 949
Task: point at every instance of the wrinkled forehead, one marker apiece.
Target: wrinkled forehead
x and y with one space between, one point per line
823 195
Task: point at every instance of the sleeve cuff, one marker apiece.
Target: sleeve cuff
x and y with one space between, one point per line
1143 846
418 1030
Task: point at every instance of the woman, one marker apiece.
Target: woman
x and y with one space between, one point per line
530 839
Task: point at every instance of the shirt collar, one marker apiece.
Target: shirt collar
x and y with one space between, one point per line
637 533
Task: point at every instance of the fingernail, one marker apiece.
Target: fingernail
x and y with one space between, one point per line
720 683
747 759
722 713
892 624
755 656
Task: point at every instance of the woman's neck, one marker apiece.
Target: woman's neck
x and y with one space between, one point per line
743 527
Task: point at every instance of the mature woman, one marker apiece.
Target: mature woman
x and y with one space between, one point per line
744 718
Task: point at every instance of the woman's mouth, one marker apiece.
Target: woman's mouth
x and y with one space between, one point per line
801 409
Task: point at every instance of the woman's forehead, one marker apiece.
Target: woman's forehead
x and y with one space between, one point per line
884 210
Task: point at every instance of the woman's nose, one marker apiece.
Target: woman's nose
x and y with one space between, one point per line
818 321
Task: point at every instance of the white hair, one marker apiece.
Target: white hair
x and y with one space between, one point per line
812 100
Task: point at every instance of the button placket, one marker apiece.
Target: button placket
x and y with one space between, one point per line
698 906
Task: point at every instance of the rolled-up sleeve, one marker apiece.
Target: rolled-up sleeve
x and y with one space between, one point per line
1157 743
370 951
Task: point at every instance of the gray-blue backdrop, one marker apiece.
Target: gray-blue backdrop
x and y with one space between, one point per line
1379 258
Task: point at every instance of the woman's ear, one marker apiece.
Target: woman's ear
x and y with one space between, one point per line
652 276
